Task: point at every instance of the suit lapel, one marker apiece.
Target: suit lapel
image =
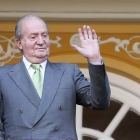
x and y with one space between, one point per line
23 81
52 79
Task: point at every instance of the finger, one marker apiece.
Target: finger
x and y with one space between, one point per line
80 34
85 32
94 34
89 32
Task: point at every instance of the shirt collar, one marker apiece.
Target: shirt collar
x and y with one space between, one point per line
28 64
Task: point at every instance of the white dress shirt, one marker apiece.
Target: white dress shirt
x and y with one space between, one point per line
31 70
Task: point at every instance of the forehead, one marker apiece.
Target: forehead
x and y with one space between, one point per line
31 25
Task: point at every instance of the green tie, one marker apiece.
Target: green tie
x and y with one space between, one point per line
37 79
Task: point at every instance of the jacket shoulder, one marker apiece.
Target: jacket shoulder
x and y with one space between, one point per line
5 69
66 66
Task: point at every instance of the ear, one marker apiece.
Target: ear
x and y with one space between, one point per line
18 42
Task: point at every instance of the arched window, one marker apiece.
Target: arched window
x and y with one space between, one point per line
120 121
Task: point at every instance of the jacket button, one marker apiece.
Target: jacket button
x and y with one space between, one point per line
55 128
20 111
33 128
60 107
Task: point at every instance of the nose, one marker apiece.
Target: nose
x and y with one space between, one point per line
40 40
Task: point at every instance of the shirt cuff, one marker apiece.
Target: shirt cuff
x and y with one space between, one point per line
98 63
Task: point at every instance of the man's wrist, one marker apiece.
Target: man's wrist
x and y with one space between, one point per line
97 63
97 60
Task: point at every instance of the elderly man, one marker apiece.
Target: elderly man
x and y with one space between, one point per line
38 98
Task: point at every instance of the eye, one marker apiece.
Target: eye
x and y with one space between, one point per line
32 37
45 35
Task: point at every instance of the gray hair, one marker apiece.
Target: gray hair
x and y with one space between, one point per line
18 28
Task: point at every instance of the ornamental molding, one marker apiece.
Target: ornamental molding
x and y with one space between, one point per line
84 16
13 52
54 10
124 44
130 46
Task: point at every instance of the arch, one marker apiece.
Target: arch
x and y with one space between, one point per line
123 90
113 65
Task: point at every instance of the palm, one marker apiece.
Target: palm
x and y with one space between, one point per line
89 48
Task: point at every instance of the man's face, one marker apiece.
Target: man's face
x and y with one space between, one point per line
35 41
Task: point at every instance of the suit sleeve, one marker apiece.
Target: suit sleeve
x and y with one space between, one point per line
2 74
1 118
96 93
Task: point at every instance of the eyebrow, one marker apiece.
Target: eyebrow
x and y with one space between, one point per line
35 33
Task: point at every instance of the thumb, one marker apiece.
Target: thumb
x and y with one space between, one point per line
76 47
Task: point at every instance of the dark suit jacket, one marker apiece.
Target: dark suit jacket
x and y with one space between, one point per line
23 115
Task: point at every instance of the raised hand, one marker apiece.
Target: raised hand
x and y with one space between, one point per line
90 48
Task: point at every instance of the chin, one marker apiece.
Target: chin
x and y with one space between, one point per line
42 55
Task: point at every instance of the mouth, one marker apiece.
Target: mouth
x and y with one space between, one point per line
41 48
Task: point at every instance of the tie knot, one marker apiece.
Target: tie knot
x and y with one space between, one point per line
35 66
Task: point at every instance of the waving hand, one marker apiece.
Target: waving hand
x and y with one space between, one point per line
90 48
